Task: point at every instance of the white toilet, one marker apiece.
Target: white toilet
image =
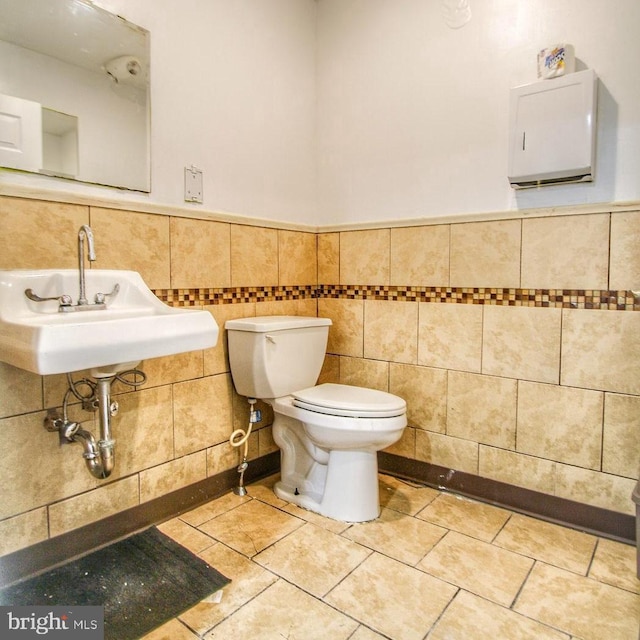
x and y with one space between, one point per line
328 434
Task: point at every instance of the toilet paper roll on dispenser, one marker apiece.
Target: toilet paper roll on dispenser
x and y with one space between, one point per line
556 61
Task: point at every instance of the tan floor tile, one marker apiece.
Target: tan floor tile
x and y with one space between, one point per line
397 535
614 563
214 508
487 571
388 598
251 527
470 616
247 581
263 490
475 519
284 611
550 543
404 496
187 536
579 605
332 559
315 518
392 598
365 634
172 630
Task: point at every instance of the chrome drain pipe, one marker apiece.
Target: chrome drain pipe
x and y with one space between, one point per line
99 456
106 444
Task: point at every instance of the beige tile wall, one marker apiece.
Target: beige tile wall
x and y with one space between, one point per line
544 398
174 430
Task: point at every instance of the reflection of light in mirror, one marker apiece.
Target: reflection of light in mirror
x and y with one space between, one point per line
126 69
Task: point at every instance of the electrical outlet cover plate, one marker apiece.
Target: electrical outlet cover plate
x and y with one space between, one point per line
192 184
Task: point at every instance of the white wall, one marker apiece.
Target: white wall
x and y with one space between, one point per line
233 93
413 114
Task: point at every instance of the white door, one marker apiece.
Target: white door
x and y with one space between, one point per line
20 133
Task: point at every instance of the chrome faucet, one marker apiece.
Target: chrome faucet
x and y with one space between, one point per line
65 304
85 231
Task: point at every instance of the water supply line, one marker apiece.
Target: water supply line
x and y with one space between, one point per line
239 438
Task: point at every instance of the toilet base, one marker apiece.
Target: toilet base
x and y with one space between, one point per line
351 489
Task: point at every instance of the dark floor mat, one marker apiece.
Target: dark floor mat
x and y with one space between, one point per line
141 581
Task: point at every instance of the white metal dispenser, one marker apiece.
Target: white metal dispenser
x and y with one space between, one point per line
552 131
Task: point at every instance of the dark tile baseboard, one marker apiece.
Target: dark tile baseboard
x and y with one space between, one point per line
59 550
601 522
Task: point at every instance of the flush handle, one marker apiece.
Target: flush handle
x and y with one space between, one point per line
270 338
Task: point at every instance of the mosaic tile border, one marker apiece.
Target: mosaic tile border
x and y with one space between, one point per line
234 295
603 299
623 300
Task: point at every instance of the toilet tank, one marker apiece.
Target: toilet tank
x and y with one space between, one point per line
273 356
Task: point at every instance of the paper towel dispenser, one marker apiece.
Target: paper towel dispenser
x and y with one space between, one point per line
552 131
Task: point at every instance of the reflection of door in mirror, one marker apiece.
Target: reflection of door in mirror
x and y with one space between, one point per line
36 139
20 133
71 57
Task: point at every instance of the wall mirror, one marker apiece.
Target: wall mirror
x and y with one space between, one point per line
74 93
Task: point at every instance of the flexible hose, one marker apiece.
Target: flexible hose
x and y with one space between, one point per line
130 377
241 436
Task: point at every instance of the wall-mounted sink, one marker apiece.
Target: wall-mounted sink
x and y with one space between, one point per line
128 323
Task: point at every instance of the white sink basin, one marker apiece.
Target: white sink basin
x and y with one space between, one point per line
134 326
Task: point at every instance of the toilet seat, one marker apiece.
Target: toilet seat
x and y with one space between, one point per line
349 401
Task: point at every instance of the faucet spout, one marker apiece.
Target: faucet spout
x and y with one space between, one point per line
85 232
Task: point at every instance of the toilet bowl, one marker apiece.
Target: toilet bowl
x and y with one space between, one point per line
328 434
340 469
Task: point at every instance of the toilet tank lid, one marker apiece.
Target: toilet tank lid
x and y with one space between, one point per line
263 324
